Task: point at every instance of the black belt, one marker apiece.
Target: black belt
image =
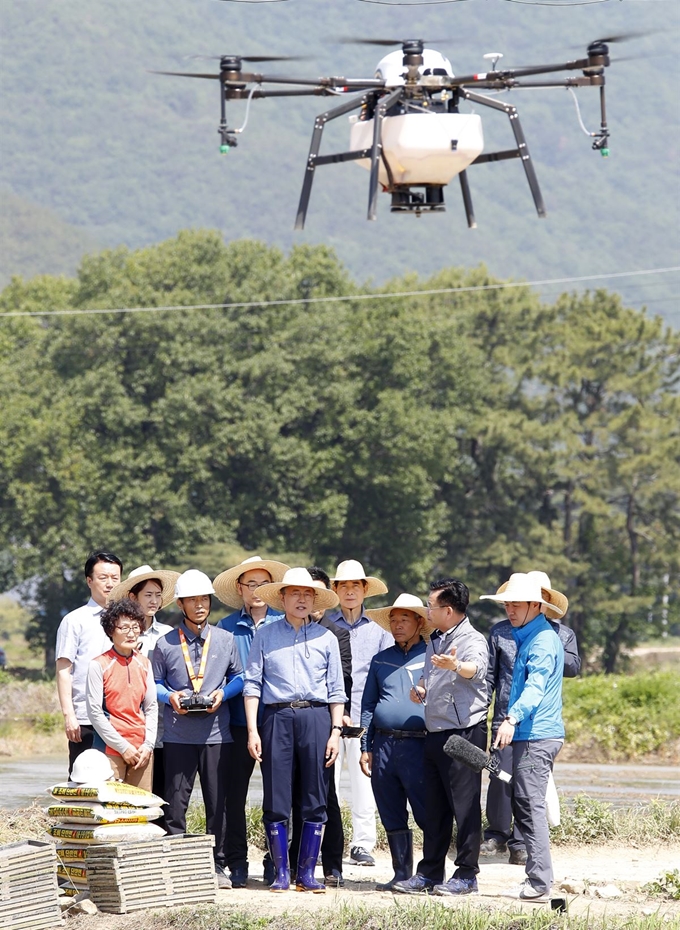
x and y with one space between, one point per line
298 704
403 734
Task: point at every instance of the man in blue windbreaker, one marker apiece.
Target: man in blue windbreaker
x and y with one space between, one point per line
533 722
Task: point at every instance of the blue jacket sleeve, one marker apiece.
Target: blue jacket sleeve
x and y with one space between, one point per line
233 686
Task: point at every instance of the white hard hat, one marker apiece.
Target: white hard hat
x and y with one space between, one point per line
193 583
91 766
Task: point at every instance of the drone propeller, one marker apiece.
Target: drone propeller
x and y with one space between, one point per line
253 58
387 42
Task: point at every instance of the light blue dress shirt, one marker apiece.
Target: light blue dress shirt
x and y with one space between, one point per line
285 664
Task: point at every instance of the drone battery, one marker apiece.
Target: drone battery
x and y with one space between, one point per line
422 148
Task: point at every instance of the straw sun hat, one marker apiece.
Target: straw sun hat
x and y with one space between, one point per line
351 570
146 573
529 587
297 578
225 583
381 616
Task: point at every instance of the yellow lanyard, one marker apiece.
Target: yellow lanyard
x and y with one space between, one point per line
196 680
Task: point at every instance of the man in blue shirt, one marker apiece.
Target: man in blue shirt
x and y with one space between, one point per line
533 723
393 745
294 670
352 586
197 662
238 587
500 833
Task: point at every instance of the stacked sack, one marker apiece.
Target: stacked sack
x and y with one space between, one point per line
93 809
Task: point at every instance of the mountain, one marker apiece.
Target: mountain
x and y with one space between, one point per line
35 240
124 156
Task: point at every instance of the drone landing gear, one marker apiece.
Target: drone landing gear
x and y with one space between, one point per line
522 151
407 200
374 153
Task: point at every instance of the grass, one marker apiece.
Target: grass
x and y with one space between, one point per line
584 821
411 915
666 886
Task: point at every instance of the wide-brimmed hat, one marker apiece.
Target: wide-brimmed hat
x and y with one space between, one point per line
531 586
297 578
351 570
381 615
168 580
225 583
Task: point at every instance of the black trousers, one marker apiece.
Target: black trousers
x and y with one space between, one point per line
452 790
87 734
333 842
211 763
294 739
239 773
158 784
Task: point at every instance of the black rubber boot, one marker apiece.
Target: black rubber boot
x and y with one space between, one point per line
401 847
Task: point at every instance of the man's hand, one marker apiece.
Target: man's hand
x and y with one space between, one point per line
144 757
217 698
72 728
332 748
366 763
505 735
131 756
417 694
446 660
174 699
255 746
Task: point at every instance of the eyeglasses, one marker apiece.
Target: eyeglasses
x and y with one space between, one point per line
251 585
127 628
436 607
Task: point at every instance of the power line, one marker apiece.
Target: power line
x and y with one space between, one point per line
386 295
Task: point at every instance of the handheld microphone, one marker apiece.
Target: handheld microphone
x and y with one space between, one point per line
463 751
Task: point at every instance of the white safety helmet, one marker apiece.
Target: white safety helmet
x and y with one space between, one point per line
193 583
91 766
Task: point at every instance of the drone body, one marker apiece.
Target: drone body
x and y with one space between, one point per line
409 132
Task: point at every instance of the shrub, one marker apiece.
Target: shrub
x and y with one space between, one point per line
623 716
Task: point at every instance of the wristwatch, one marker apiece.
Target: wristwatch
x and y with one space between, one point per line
458 666
336 727
511 720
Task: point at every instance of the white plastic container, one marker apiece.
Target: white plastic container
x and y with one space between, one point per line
422 148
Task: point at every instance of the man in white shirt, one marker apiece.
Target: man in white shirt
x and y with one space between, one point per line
80 638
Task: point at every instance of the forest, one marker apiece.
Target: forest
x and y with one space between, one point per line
432 426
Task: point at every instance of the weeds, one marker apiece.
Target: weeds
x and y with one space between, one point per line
667 885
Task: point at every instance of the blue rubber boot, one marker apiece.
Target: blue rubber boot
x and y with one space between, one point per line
277 837
310 843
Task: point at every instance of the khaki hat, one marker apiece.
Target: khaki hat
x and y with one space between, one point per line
351 570
225 583
298 578
381 616
529 587
168 581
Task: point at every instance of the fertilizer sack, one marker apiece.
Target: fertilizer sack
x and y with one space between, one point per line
106 792
104 833
82 812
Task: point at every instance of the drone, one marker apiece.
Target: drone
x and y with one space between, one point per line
409 132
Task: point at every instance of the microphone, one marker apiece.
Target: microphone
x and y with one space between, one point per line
463 751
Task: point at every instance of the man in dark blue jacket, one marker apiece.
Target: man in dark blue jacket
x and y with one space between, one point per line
533 723
501 834
392 748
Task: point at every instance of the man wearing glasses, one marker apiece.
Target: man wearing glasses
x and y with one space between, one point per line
238 587
453 689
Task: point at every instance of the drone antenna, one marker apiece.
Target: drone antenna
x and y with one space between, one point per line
494 58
